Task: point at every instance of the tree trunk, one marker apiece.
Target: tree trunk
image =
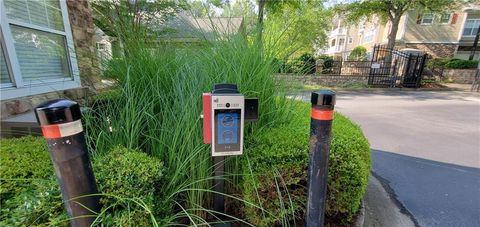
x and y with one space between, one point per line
393 33
261 7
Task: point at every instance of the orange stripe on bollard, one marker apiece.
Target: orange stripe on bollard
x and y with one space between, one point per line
322 115
62 130
51 131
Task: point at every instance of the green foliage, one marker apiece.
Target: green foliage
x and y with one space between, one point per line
327 62
452 63
308 63
437 62
158 109
278 160
389 11
40 205
129 174
23 160
304 64
29 190
122 174
127 179
295 27
133 21
461 64
358 53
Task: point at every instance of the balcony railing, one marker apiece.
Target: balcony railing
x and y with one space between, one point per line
338 31
335 49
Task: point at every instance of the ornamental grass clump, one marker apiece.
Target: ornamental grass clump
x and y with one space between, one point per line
158 106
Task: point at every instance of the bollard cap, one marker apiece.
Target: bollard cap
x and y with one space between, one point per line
57 111
323 99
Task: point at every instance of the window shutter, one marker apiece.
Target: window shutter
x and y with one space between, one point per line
454 18
419 18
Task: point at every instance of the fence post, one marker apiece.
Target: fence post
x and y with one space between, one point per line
61 125
420 73
323 103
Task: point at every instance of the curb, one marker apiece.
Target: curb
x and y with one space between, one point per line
360 219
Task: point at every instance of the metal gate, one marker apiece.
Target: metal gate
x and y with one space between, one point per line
394 68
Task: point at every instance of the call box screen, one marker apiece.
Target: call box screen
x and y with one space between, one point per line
227 133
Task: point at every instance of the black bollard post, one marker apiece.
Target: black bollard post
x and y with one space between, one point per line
61 125
323 103
219 186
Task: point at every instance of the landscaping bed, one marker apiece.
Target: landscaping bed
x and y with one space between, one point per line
274 178
149 159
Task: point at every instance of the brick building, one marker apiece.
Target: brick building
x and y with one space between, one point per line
448 34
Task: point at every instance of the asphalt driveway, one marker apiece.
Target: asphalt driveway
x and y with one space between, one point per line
425 149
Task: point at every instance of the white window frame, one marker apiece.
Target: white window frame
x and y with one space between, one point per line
449 18
475 25
370 34
424 17
17 87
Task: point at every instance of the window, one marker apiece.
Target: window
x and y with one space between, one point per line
101 46
445 18
37 47
471 27
427 18
4 74
361 25
41 55
341 42
369 35
350 40
333 42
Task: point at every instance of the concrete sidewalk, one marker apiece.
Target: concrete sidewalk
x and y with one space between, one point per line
382 208
458 87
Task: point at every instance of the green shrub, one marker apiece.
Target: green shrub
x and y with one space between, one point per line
452 63
23 160
41 205
461 64
128 179
358 53
29 190
437 62
281 66
278 159
307 62
327 63
128 174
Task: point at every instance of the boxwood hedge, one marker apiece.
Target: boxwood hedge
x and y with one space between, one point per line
277 163
127 179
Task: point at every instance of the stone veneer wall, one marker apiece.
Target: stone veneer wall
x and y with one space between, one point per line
436 50
324 79
463 76
25 104
83 31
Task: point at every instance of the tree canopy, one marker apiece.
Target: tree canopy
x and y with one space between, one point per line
391 10
296 28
